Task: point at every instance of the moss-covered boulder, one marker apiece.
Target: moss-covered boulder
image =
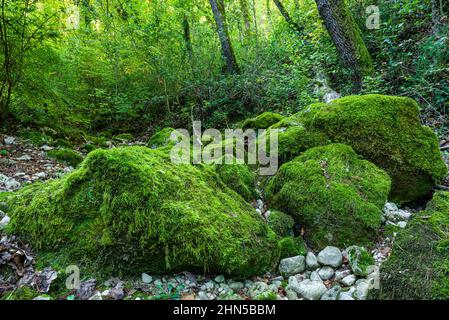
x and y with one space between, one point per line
292 247
419 265
262 121
282 224
360 261
336 196
131 209
161 139
386 131
68 156
238 177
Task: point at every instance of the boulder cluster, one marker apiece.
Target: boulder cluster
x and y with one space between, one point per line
344 166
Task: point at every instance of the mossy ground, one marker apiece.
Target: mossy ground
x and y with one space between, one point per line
419 265
282 224
335 195
131 209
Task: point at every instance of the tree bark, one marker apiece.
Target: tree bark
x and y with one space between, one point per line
187 38
246 16
347 39
287 17
218 11
436 16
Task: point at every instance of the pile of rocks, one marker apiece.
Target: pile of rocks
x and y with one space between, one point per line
392 215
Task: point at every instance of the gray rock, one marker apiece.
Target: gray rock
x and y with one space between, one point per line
362 290
25 157
339 275
292 266
40 175
326 273
349 280
236 286
402 224
291 294
146 278
332 293
46 148
330 256
314 276
311 290
219 278
4 221
345 296
203 296
257 289
312 261
9 140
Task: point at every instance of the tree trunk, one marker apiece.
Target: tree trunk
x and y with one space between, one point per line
347 39
246 16
436 16
287 17
187 38
218 10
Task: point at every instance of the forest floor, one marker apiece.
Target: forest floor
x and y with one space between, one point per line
22 163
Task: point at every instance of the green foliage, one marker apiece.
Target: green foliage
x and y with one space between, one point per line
386 131
335 195
418 266
22 293
133 202
68 156
161 138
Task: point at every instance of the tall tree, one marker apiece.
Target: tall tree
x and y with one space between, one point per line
246 15
187 37
347 39
287 17
218 10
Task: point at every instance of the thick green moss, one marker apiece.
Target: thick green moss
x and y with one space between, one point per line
262 121
419 265
337 197
282 224
239 178
291 247
68 156
386 131
360 260
161 139
131 209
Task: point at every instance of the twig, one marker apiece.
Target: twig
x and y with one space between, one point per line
444 148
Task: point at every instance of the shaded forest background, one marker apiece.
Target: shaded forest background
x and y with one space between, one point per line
140 65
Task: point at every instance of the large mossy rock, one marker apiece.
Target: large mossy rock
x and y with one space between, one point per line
336 196
262 121
419 265
386 131
131 209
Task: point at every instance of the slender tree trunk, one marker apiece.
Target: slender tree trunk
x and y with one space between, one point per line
347 39
187 38
218 10
436 16
287 17
246 16
256 27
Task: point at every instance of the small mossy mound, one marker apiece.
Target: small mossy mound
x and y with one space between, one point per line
336 196
161 139
238 177
282 224
386 131
292 247
263 121
132 210
360 260
68 156
418 268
